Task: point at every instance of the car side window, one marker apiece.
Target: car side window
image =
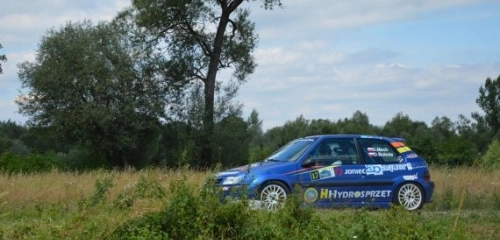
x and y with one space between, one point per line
378 151
336 151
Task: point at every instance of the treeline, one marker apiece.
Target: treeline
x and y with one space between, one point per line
143 90
239 141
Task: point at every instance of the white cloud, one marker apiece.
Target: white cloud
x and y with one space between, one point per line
24 21
275 57
320 16
422 93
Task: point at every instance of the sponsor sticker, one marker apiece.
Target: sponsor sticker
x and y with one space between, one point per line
310 195
379 169
403 149
324 173
397 144
337 194
338 171
227 173
415 165
355 171
411 155
410 177
374 170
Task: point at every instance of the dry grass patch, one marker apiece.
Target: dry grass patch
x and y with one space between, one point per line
56 187
473 180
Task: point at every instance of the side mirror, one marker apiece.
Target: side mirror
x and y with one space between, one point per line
309 162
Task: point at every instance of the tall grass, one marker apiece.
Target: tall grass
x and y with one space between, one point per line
477 188
168 204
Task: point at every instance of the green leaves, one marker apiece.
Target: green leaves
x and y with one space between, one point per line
491 158
489 102
87 83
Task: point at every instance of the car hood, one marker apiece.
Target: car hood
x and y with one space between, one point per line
260 168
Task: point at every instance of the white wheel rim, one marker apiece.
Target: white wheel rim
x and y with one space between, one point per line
273 197
410 196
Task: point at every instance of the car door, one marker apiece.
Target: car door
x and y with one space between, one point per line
383 165
332 180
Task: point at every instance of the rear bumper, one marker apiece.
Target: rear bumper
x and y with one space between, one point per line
429 190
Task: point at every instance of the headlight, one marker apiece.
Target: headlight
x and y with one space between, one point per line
232 180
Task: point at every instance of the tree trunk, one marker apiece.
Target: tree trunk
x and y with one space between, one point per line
119 160
208 124
213 67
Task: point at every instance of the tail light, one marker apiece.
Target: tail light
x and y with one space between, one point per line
427 176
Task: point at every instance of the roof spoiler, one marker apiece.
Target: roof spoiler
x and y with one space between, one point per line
399 139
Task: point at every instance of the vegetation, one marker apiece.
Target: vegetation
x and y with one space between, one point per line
142 91
109 104
198 39
238 142
140 94
489 102
161 203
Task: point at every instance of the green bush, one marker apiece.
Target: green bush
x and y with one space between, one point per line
15 163
191 215
84 158
491 158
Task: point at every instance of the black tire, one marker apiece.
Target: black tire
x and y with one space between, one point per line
273 195
410 196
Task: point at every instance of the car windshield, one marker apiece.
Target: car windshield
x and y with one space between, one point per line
292 151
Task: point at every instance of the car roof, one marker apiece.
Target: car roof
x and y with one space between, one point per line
355 136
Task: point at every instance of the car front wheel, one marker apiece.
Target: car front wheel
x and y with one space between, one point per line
273 195
410 196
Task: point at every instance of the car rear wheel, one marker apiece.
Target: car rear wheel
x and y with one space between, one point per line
410 196
273 195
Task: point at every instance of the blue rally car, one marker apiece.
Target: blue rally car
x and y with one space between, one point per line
335 171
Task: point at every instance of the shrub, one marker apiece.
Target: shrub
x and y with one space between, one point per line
14 163
491 158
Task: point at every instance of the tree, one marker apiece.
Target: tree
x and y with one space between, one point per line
358 123
232 141
489 102
491 158
183 135
199 38
399 126
3 58
475 132
443 128
90 86
322 126
256 136
456 151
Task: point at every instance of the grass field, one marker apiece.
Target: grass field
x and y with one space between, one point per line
153 203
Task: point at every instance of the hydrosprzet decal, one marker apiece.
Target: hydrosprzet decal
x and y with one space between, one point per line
337 194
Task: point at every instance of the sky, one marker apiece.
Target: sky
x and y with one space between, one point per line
322 59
